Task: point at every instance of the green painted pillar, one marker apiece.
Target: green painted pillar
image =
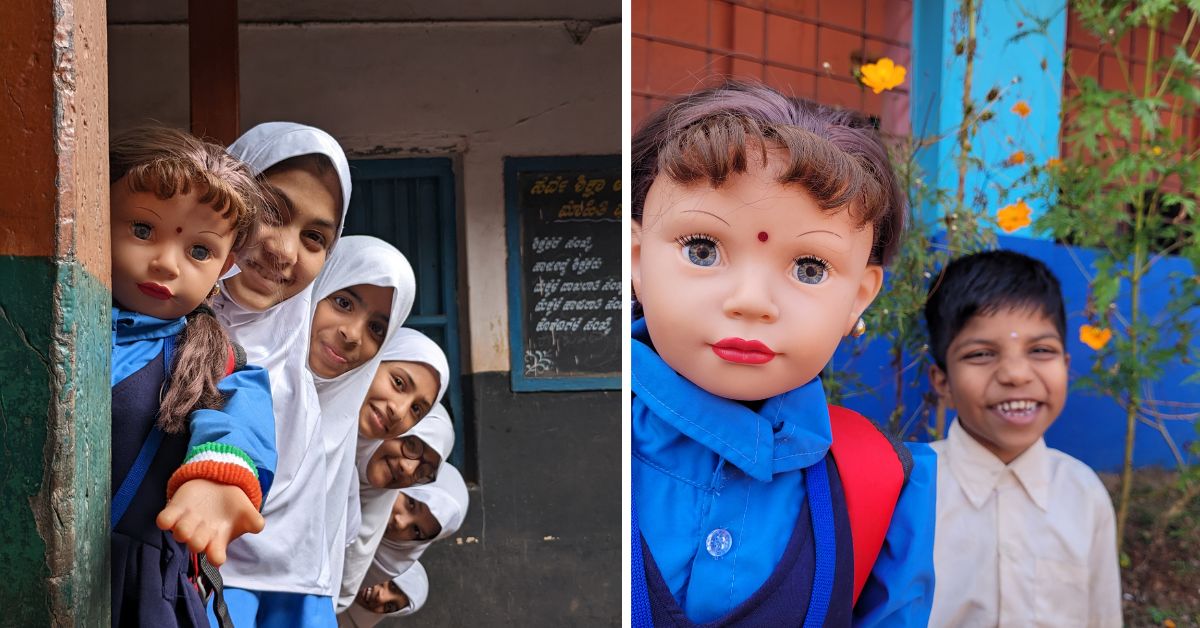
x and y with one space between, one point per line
54 313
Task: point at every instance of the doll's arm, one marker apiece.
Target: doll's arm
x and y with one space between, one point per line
899 591
208 515
236 444
215 495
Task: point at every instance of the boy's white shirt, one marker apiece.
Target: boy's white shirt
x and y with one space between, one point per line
358 260
1031 543
290 554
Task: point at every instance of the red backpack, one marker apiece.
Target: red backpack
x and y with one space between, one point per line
874 468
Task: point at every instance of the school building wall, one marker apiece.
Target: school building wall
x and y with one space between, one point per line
474 82
807 48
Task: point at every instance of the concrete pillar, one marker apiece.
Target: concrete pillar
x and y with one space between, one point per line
55 325
1015 40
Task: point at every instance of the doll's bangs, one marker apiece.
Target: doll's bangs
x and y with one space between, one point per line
714 149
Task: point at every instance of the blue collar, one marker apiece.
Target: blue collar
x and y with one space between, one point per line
789 432
128 326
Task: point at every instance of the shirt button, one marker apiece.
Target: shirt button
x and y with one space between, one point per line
718 543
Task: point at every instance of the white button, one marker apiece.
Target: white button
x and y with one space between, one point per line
718 543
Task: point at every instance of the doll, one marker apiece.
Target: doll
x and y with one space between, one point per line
193 448
761 225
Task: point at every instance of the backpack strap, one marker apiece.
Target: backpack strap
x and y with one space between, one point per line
236 360
874 468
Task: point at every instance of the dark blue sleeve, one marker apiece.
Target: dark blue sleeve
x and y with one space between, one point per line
899 591
247 421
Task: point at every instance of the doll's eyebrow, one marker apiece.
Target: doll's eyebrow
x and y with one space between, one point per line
701 211
149 210
820 231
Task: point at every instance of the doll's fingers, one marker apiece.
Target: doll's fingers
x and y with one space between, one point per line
168 517
216 552
184 528
200 539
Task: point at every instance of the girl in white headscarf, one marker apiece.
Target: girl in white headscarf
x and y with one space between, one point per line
361 298
397 596
265 304
447 499
370 506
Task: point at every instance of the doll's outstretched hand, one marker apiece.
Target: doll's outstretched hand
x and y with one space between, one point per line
207 516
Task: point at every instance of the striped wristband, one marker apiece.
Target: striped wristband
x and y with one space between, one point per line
221 463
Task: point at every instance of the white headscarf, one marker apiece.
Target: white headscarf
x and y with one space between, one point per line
360 260
410 345
447 500
281 558
367 516
414 583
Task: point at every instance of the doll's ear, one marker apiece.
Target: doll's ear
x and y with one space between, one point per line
868 289
941 385
635 256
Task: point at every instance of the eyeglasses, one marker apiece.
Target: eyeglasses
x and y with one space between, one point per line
414 448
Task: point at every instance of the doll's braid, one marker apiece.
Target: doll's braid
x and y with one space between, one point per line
200 361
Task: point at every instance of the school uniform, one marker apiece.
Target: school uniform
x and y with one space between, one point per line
234 445
1028 543
724 505
283 574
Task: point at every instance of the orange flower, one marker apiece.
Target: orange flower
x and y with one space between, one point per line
1054 163
883 74
1013 217
1021 108
1094 337
1017 158
1157 150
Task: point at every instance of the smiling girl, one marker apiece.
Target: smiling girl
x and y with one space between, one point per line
193 449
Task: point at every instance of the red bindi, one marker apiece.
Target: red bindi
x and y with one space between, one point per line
180 230
762 236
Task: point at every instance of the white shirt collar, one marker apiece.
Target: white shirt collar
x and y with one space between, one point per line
979 471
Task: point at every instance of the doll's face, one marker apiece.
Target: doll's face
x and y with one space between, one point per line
402 462
411 520
400 395
285 256
382 598
1006 377
348 327
747 289
166 254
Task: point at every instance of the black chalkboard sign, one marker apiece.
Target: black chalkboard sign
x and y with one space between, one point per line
564 272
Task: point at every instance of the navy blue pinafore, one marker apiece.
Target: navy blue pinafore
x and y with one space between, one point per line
150 585
784 599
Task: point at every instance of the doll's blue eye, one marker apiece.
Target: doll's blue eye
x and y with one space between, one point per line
200 253
701 251
141 231
811 270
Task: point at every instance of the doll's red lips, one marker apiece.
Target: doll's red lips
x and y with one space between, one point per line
149 288
743 351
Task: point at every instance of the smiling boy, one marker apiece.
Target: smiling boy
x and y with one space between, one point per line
1025 534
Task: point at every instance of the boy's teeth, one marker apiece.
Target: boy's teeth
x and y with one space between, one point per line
1016 406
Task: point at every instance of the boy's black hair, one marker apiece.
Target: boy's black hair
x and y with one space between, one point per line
982 283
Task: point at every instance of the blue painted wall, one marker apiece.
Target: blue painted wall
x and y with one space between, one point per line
1092 427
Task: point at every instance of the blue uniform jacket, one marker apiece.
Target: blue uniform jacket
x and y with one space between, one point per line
703 463
246 422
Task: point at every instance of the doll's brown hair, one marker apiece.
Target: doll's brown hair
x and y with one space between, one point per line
835 154
167 162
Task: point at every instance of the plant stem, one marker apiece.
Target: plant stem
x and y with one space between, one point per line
964 132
